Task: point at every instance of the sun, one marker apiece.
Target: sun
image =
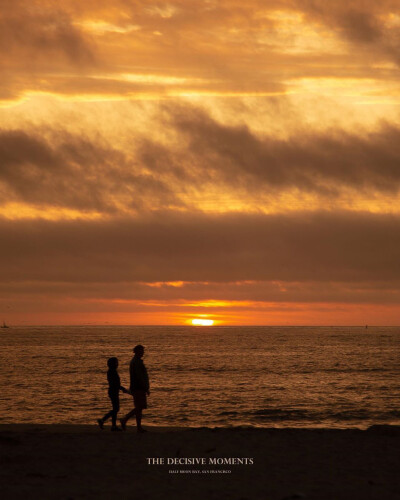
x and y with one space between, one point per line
202 322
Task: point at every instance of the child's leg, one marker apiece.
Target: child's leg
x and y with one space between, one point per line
107 416
101 421
115 410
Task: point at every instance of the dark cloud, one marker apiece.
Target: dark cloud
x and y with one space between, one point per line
324 163
363 22
222 46
55 168
248 294
73 172
352 247
39 40
32 32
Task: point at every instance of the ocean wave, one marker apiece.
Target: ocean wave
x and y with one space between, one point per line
355 370
327 415
278 414
194 369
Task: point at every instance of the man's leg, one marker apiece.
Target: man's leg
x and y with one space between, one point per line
125 419
129 415
139 419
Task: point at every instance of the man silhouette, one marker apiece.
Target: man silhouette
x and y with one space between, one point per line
139 388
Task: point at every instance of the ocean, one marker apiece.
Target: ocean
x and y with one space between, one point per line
206 376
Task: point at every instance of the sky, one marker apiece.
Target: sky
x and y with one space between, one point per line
167 161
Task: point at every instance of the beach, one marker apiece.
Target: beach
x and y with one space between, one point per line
81 461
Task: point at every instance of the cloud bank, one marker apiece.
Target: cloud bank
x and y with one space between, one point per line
240 160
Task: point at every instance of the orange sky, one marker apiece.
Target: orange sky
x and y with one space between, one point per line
164 161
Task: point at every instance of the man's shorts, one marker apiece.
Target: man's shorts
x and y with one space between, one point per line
139 399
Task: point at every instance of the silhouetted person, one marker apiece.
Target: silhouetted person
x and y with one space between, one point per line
114 386
139 388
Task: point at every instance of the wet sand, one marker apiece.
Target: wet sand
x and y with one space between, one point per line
77 462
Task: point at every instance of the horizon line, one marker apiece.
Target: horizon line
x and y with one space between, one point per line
205 326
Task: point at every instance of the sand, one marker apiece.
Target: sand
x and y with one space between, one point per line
76 462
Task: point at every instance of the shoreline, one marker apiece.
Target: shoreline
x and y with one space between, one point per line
67 427
64 461
93 427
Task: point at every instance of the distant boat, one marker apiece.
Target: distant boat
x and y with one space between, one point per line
4 325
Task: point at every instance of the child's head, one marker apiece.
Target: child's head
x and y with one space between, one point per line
112 363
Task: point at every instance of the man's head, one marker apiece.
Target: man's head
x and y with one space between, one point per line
138 350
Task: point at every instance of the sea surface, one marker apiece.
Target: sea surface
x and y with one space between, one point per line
206 376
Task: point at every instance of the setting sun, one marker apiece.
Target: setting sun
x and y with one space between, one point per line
202 322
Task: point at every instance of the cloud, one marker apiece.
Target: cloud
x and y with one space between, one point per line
361 22
322 163
207 295
364 23
33 32
306 247
199 159
219 47
37 41
181 192
73 172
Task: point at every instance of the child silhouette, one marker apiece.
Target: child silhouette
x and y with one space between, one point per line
114 386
